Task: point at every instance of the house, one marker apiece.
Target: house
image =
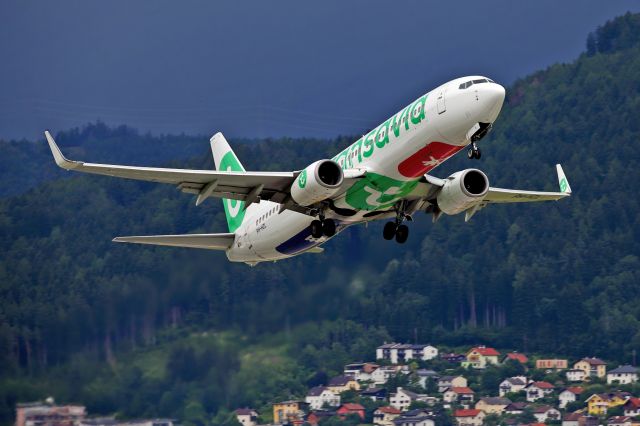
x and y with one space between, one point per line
402 399
463 395
420 420
316 416
288 411
592 367
343 383
568 395
453 357
599 403
632 407
579 419
446 382
515 408
382 374
320 396
481 356
361 371
471 417
623 375
247 416
384 416
350 408
375 394
575 375
546 413
398 353
515 356
619 421
39 413
552 364
512 384
424 375
537 390
492 404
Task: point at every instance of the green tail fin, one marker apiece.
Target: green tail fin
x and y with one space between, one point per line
225 160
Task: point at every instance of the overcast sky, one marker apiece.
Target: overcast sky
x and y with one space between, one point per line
268 67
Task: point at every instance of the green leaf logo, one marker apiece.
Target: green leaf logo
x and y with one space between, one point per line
302 179
563 185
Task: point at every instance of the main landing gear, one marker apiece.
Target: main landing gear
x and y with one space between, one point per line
326 227
396 228
474 151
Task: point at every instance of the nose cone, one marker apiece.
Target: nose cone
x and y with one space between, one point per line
491 98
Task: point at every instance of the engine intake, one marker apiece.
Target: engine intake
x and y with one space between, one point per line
462 190
317 182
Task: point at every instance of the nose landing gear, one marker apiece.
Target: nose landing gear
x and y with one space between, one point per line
474 152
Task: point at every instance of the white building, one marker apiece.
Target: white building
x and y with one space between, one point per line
398 353
402 399
512 384
623 375
544 413
247 416
575 375
568 395
537 390
319 396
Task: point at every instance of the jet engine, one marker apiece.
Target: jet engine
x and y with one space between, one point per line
462 190
317 182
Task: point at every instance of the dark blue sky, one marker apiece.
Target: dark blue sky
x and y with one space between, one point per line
265 68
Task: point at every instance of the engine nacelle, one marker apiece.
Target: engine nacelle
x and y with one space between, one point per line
462 190
317 182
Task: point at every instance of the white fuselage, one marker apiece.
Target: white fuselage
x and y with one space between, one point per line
395 155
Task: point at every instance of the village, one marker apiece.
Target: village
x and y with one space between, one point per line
417 385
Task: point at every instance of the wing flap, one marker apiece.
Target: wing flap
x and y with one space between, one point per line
203 241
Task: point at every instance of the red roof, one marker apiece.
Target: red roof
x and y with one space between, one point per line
485 351
594 361
389 410
352 407
633 402
543 385
467 413
522 358
575 389
462 390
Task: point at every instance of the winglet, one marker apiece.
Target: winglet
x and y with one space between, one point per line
562 180
61 161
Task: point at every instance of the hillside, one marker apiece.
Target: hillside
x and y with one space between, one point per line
559 277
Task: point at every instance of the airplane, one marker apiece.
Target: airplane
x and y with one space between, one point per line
382 176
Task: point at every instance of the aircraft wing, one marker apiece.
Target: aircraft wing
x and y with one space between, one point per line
204 241
501 195
245 186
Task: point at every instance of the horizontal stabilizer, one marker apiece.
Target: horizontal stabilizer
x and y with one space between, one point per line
204 241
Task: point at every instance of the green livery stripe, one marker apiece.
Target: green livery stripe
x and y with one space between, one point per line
233 209
378 192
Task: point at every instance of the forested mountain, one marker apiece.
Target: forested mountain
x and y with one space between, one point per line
554 277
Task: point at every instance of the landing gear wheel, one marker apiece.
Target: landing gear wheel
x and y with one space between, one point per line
474 152
316 229
402 233
389 230
329 227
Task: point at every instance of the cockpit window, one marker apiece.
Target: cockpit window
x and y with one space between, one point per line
465 85
481 80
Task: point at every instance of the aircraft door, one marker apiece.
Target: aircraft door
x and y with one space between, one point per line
441 105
